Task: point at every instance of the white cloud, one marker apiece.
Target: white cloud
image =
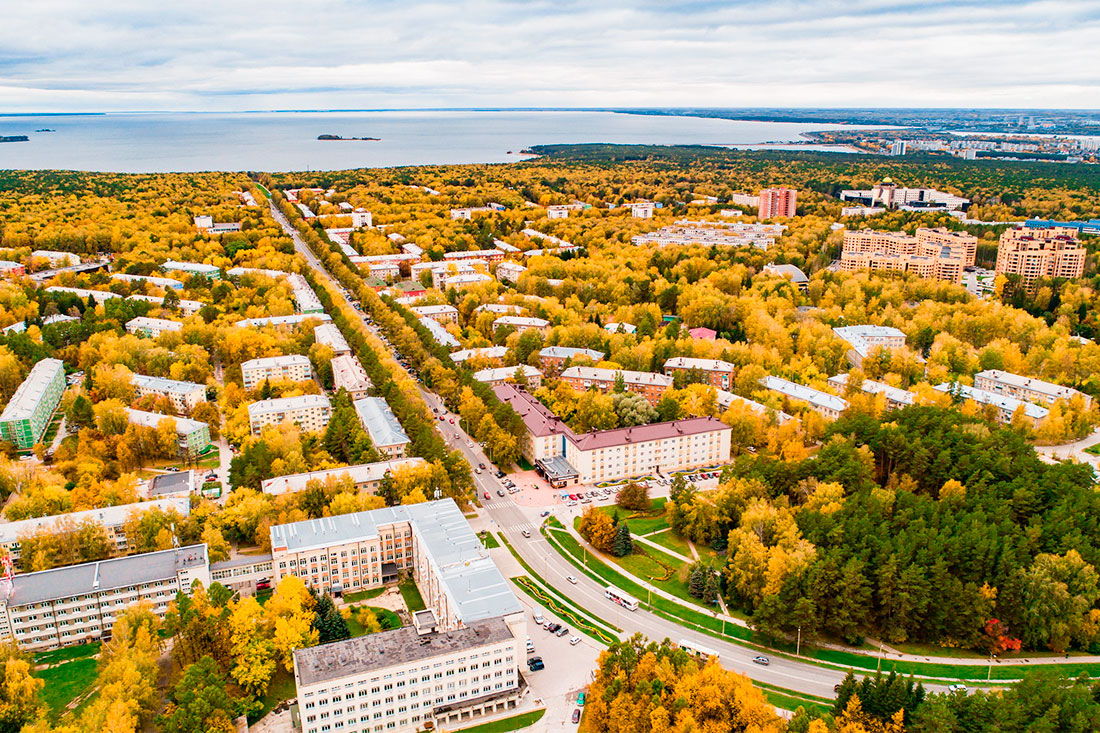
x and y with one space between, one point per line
207 55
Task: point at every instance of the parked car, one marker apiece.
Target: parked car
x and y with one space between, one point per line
539 618
574 641
957 687
500 474
481 466
563 631
761 659
552 627
535 664
530 647
571 579
487 495
576 715
580 698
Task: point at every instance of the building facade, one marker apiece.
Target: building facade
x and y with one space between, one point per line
648 384
715 372
828 405
1025 388
30 409
193 436
348 374
382 426
289 367
777 202
1032 254
152 327
185 396
309 412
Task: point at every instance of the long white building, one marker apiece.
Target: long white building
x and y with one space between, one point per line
310 412
382 426
1025 388
348 374
826 404
365 476
329 335
289 367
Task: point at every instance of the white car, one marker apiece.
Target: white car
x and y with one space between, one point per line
574 641
539 618
571 579
957 687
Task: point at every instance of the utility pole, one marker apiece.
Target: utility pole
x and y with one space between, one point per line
798 644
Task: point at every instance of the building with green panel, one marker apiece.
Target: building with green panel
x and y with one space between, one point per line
31 408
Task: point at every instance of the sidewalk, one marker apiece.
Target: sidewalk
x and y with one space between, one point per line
873 654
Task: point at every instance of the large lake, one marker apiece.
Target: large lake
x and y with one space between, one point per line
283 141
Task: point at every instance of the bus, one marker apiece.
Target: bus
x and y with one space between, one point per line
696 650
625 600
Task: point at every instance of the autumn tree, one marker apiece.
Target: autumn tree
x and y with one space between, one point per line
596 527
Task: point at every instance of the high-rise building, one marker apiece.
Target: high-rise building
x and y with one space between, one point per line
898 147
1040 253
777 202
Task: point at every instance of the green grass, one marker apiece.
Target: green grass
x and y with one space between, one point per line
1093 449
576 621
66 682
68 653
263 189
387 619
281 688
792 702
652 522
413 601
668 540
488 539
363 595
516 722
524 464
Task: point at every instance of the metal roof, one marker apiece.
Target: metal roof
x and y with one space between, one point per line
380 422
285 404
568 352
111 516
32 390
169 386
362 473
184 425
806 394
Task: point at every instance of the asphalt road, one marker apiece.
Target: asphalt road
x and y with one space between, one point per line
553 568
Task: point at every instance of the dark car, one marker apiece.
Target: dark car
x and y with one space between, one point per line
500 474
535 664
500 492
552 628
576 715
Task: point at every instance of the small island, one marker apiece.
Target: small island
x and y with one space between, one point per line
13 138
45 129
341 137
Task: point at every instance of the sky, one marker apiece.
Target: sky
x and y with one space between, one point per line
228 55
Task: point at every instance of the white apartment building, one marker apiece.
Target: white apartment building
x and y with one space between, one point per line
112 519
896 398
438 313
496 375
289 367
641 210
348 374
461 281
193 268
305 300
1005 407
1025 388
329 335
78 604
161 282
99 296
717 373
510 271
865 339
564 457
824 403
365 476
283 322
56 257
490 353
152 327
382 426
441 335
714 233
726 399
185 396
522 323
309 412
188 307
620 327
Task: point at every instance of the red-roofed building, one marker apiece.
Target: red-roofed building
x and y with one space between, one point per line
702 333
565 458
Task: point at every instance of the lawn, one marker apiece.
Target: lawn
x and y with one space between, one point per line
413 601
1093 449
363 595
387 619
68 653
488 539
281 688
66 682
668 539
516 722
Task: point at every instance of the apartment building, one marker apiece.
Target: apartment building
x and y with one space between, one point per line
284 323
152 327
207 225
531 376
57 258
193 268
77 604
896 398
713 233
555 356
790 272
828 405
777 202
642 210
161 282
955 245
1054 252
113 520
193 436
522 323
1004 407
441 335
409 678
309 412
564 457
487 255
431 541
620 327
888 194
382 426
185 396
12 269
716 373
329 335
29 411
500 309
648 384
289 367
868 249
461 281
864 339
187 307
438 313
488 353
305 300
472 211
1025 388
510 271
348 374
365 476
727 399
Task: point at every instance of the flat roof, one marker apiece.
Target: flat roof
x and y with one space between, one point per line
629 377
362 473
380 422
184 425
170 483
104 575
706 365
27 396
285 404
110 516
804 393
424 310
476 588
521 321
189 266
363 654
170 386
270 362
568 352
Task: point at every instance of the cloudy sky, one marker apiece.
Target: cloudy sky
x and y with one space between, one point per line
77 55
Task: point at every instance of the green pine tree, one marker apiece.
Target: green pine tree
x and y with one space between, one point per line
622 545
